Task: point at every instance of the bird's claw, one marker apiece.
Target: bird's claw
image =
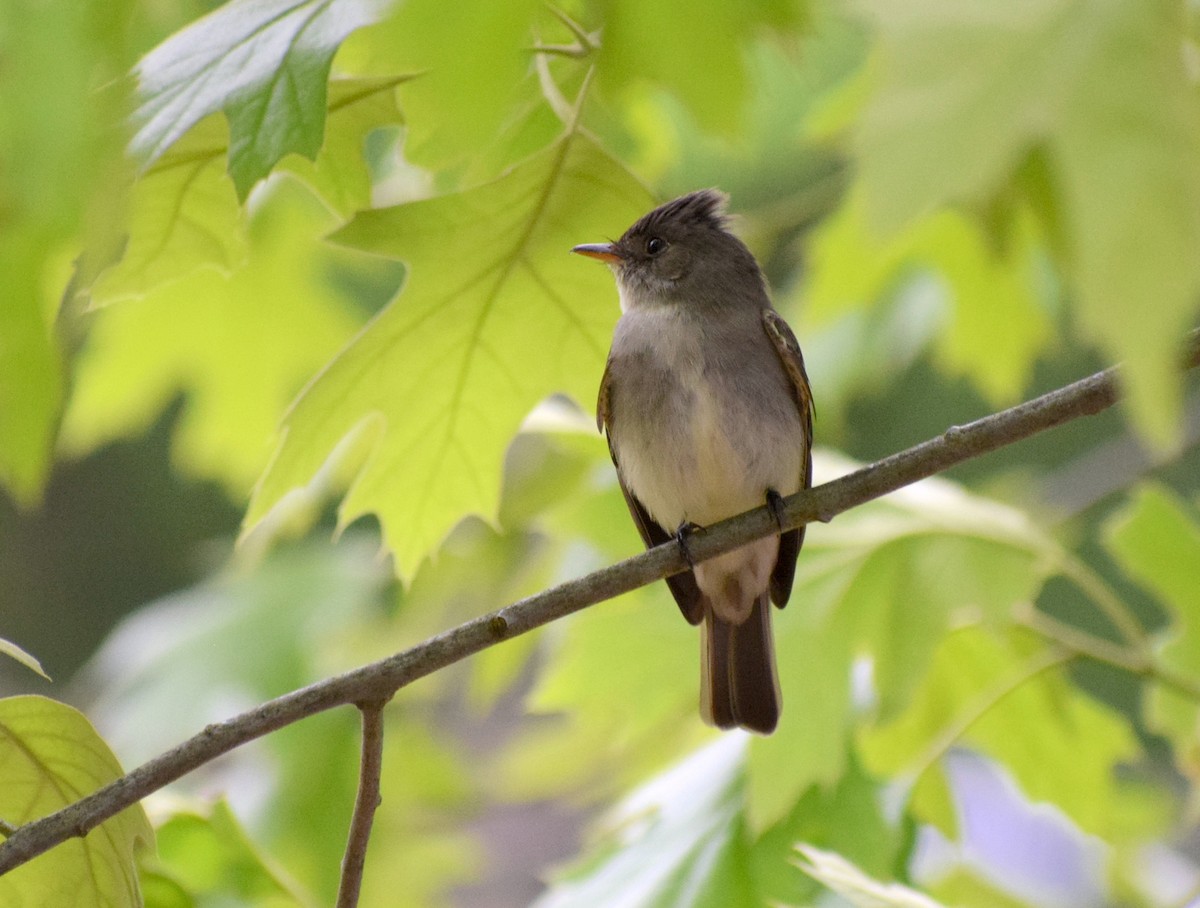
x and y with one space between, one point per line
682 534
776 506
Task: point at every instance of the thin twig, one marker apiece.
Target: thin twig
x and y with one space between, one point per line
369 770
1117 612
1089 646
380 680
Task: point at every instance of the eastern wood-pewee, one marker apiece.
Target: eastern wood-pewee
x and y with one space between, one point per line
708 413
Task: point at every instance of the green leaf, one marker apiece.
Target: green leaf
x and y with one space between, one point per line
996 323
210 857
495 316
10 649
340 174
846 818
264 64
31 382
855 886
1156 540
1123 149
50 756
240 346
184 214
987 692
61 187
676 841
883 582
696 50
475 65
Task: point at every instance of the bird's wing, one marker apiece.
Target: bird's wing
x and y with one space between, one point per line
792 360
683 586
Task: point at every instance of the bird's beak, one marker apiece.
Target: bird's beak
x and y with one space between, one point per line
605 252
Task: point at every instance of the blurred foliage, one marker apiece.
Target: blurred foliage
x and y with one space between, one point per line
311 257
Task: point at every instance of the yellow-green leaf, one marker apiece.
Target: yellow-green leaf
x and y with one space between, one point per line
239 346
10 649
986 692
474 62
184 214
50 756
495 316
995 325
1102 86
1156 540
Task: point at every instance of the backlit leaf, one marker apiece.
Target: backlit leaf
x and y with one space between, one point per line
1101 84
240 346
1156 540
986 692
676 841
495 316
51 756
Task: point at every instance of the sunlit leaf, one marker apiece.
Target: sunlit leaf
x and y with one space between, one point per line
1122 149
987 692
855 886
474 61
1156 540
51 756
210 856
240 347
996 325
676 841
185 212
495 315
265 64
340 173
10 649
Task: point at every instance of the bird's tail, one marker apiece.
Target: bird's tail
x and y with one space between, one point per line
738 683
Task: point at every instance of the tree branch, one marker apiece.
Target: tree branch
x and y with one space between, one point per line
369 771
380 680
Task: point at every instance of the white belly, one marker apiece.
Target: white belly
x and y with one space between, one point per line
702 453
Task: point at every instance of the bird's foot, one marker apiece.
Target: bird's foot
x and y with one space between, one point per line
776 506
682 534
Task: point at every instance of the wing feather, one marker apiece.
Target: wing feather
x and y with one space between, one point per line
683 586
792 359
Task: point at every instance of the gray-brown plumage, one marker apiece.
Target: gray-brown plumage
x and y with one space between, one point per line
708 413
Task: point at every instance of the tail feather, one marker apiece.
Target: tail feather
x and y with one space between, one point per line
739 685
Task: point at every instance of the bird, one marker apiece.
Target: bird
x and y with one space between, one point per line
707 411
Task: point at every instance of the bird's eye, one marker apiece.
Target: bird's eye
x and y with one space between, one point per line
655 245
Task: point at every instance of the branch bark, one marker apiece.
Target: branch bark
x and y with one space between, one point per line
380 680
370 770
